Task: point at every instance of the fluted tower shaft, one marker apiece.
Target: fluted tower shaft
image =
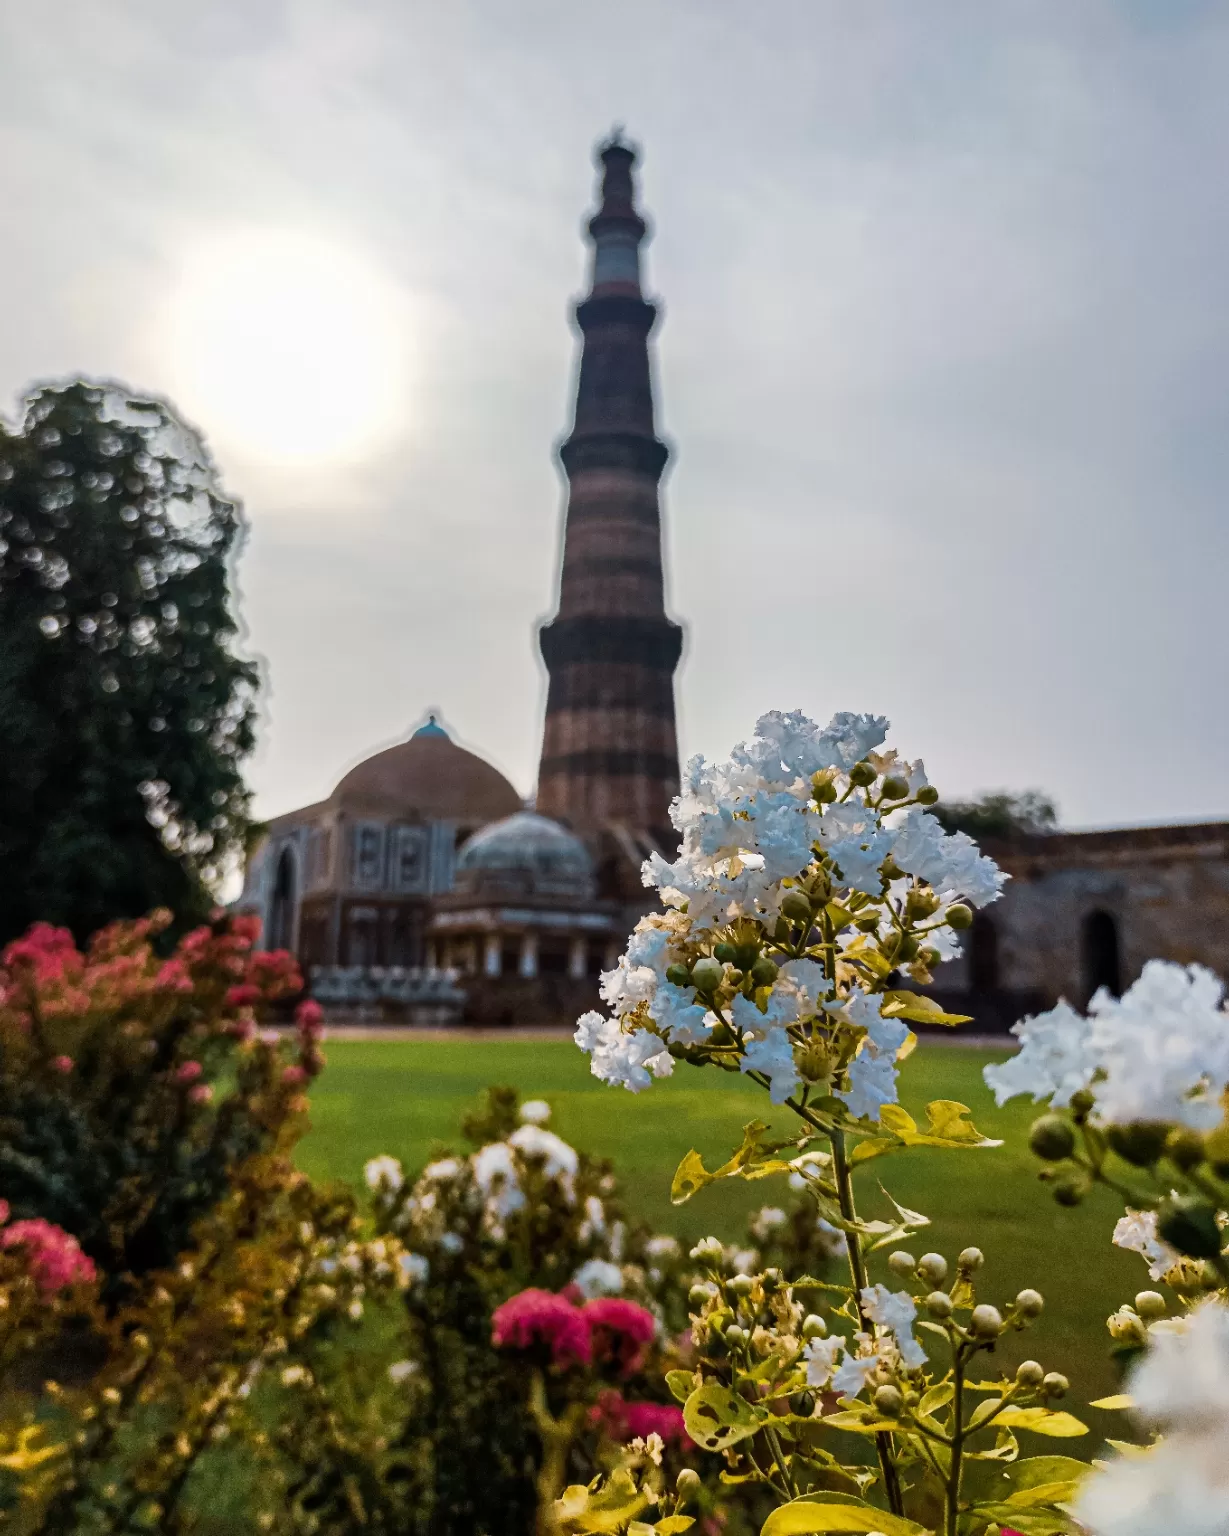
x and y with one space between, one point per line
610 748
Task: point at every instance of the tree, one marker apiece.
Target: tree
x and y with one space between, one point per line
124 711
1001 815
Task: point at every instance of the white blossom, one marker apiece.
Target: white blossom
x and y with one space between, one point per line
871 1075
415 1269
452 1242
559 1160
852 835
383 1174
950 862
1055 1059
767 1220
895 1311
773 1056
402 1370
495 1174
662 1247
821 1357
852 1375
598 1277
594 1224
1136 1232
534 1112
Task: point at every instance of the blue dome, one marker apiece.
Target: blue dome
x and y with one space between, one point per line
432 728
525 855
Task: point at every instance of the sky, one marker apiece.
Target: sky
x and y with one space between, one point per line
943 362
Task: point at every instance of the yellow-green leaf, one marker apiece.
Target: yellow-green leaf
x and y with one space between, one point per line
1029 1522
715 1417
673 1524
681 1384
753 1160
1043 1421
917 1009
828 1513
1118 1400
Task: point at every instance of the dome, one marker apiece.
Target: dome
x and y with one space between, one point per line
430 777
525 855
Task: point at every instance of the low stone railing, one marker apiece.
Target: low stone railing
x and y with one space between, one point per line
394 992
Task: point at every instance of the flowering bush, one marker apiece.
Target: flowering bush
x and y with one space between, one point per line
812 897
133 1084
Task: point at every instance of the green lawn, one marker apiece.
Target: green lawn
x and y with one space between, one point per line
402 1096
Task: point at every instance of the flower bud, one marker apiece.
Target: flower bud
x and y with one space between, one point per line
764 972
742 1285
986 1322
888 1401
687 1483
1030 1304
706 974
734 1336
709 1250
1070 1190
726 953
1185 1148
894 788
939 1305
958 916
678 975
1126 1327
932 1267
823 788
814 1327
1191 1227
862 774
927 795
1151 1304
1051 1137
970 1259
921 902
1029 1373
772 1278
815 1062
1082 1102
1054 1384
699 1294
901 1263
868 924
1140 1143
796 906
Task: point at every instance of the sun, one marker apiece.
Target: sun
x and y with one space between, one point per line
289 346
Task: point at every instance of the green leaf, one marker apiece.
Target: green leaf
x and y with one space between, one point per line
1034 1471
1118 1400
753 1160
947 1126
715 1417
1028 1522
1043 1421
829 1512
681 1384
916 1009
937 1397
600 1512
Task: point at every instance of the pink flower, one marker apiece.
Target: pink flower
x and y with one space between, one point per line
294 1077
54 1256
242 996
173 976
623 1421
622 1331
540 1317
201 1093
309 1014
62 1063
188 1071
4 1212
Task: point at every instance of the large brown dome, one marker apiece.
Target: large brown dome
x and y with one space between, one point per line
430 777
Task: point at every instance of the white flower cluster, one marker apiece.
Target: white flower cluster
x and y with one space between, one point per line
1160 1052
747 826
1182 1483
1136 1232
832 1365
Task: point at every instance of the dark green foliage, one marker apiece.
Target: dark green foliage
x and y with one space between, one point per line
1000 816
124 714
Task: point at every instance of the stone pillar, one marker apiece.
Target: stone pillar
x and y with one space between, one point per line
491 955
576 958
528 966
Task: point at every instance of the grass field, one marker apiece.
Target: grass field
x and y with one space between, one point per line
404 1096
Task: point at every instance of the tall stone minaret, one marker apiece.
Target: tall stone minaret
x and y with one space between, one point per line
610 751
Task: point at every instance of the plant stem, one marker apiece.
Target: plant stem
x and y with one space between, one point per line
953 1476
843 1178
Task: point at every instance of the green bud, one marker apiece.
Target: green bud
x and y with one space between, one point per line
707 974
1127 1327
1185 1148
1140 1143
939 1305
868 924
1070 1190
796 907
1030 1303
1029 1373
764 972
901 1263
927 795
814 1327
1082 1103
726 953
891 870
687 1484
1151 1304
929 957
699 1294
895 789
1055 1384
986 1322
1052 1138
888 1401
823 788
1190 1226
742 1285
772 1278
932 1267
709 1250
959 916
734 1336
920 902
970 1259
862 774
678 975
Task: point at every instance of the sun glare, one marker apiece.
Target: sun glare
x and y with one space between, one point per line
289 346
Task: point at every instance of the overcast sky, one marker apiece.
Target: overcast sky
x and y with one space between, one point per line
944 359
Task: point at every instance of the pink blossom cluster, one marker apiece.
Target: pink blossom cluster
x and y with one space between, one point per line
623 1421
608 1329
54 1257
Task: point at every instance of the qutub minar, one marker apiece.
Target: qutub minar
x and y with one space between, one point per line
424 889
